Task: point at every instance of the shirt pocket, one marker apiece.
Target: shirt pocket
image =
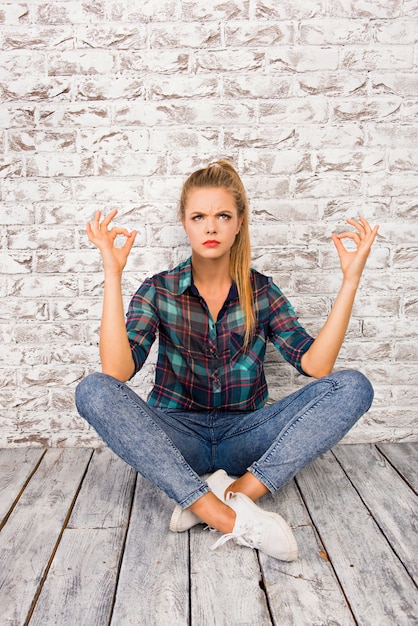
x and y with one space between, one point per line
250 360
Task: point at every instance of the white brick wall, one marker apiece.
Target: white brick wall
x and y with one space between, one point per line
112 103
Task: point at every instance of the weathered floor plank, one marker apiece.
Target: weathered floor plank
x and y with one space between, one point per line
105 497
81 583
305 591
225 583
153 585
86 541
387 497
32 531
16 466
375 583
404 456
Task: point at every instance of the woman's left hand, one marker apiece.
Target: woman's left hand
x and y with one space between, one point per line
353 262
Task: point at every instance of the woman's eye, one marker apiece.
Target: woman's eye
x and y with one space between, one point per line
196 218
224 216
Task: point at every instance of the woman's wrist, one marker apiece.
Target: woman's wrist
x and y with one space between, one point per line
350 284
112 277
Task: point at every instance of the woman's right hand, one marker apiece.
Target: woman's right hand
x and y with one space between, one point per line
114 259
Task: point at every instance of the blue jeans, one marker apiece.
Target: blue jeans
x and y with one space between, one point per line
173 448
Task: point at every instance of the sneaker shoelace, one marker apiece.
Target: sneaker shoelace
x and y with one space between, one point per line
250 533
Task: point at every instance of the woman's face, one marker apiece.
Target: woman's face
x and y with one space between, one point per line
211 221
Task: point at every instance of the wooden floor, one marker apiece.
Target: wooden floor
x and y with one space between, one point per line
84 541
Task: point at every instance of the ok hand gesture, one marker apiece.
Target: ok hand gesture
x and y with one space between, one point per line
114 259
353 262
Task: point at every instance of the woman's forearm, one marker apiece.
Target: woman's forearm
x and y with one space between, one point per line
115 351
319 360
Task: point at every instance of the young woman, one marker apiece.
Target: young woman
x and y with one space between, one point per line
207 411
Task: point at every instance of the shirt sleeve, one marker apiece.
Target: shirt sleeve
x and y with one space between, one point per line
286 333
142 323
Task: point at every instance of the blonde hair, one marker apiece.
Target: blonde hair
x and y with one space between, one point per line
223 174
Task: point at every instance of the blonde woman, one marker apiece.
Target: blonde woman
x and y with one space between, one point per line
206 413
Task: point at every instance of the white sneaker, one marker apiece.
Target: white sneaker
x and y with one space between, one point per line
183 519
259 529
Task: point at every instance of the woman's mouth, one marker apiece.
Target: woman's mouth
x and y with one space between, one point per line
211 243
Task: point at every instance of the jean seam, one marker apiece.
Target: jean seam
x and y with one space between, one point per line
297 420
255 468
182 432
177 452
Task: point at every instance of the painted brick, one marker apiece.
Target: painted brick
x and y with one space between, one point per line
367 109
222 60
256 34
31 190
335 31
122 190
17 116
144 11
11 166
161 61
391 135
15 63
34 89
19 238
73 115
199 10
324 185
403 159
34 37
398 31
129 36
73 62
278 136
385 57
373 209
406 208
185 35
304 58
269 162
14 13
161 88
331 84
16 214
410 110
65 12
53 164
256 86
350 161
16 263
191 141
121 88
41 141
296 110
398 83
288 9
111 104
381 184
113 140
365 8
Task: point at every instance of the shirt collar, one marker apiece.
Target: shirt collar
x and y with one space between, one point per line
186 281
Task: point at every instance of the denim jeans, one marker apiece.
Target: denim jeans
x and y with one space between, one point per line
173 448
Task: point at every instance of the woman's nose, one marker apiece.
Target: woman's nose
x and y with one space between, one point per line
210 225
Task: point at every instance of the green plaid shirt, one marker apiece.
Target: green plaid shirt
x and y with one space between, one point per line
201 361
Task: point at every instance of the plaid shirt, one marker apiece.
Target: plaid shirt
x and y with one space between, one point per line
201 362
